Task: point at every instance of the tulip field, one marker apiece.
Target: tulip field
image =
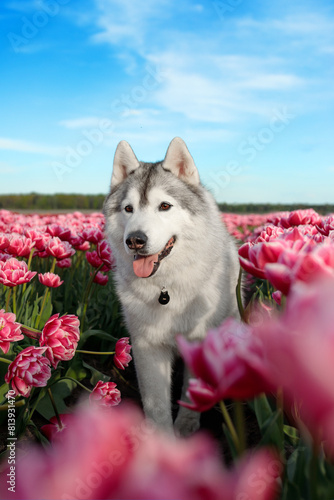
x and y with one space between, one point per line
68 432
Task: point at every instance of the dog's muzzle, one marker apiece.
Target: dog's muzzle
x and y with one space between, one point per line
145 266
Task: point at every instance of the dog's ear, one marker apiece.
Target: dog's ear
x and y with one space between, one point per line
179 161
125 161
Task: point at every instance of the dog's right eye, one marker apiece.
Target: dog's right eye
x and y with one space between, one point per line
129 209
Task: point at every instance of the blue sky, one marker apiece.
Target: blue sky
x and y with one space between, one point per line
247 84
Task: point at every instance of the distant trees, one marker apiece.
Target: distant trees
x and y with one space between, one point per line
60 201
44 202
262 208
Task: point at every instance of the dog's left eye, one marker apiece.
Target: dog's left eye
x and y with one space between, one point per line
165 206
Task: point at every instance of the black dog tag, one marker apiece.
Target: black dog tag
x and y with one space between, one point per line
164 297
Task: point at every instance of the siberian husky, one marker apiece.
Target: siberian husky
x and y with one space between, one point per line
176 267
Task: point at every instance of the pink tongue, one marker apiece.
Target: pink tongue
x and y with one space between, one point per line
143 266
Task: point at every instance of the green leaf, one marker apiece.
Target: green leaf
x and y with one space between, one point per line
270 431
76 370
290 491
47 311
96 333
292 432
231 444
60 391
96 374
3 390
263 410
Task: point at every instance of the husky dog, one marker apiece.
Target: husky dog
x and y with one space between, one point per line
176 267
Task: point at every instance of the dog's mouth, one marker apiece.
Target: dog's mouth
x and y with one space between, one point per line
145 266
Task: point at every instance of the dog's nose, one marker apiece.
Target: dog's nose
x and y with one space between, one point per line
136 240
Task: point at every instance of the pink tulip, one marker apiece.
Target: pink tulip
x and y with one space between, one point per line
277 296
10 331
117 454
14 272
122 355
101 279
94 259
50 279
298 217
305 264
52 430
92 234
228 363
20 246
105 394
325 226
64 263
61 337
29 369
105 254
38 237
254 257
62 233
59 249
4 241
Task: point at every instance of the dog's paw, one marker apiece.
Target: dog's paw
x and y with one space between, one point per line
186 424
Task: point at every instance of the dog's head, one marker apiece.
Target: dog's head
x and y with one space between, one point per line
150 204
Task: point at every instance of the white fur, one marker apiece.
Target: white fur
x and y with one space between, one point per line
200 275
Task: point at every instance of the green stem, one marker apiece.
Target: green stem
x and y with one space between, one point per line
41 311
124 380
280 408
60 425
40 396
53 267
16 404
9 292
240 424
239 298
29 264
230 426
14 300
85 300
73 380
94 352
4 360
313 473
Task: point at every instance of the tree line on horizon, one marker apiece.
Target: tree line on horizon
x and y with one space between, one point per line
60 201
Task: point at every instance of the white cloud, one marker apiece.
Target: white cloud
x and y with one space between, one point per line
82 122
126 22
27 146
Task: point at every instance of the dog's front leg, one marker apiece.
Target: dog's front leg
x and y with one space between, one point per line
153 367
187 421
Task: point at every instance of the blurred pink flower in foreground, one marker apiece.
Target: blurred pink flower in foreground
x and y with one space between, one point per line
14 272
50 279
299 347
228 363
118 455
105 394
122 355
10 331
61 335
29 369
